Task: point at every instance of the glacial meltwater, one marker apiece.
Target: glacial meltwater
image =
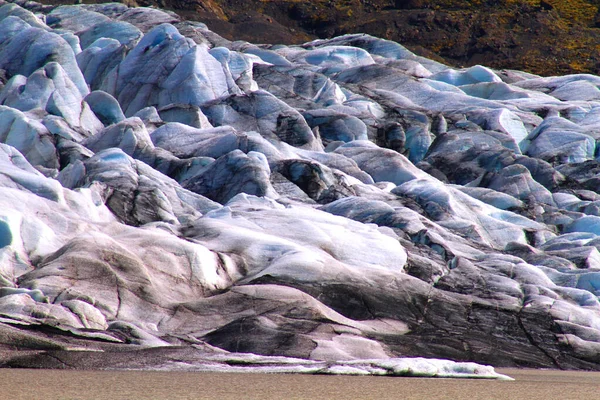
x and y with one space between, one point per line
26 384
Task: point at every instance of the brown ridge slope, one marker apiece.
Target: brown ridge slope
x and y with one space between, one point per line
546 37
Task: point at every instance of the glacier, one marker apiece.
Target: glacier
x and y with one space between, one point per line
170 199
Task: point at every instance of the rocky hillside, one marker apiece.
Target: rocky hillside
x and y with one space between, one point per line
170 199
545 37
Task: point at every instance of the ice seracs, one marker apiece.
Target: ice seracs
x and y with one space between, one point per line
337 204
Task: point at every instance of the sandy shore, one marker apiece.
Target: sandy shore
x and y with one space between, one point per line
21 384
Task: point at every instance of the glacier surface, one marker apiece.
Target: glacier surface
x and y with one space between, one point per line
334 207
